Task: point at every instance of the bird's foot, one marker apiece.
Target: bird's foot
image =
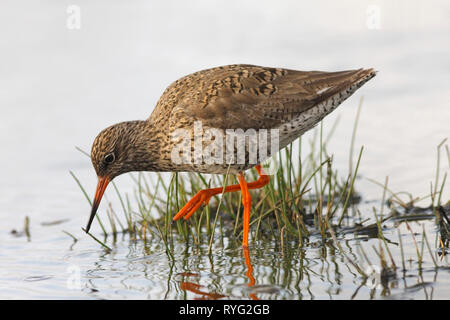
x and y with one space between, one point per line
202 197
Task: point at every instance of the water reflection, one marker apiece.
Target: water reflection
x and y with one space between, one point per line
316 271
252 289
249 272
199 290
267 270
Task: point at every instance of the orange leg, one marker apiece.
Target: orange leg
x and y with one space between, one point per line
247 202
203 197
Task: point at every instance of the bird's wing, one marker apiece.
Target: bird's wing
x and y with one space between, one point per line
247 96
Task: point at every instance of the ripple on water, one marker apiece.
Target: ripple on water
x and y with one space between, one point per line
38 278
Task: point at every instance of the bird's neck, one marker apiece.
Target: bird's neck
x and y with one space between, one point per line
147 143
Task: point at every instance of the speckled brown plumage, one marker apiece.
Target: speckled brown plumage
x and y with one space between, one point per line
227 97
246 96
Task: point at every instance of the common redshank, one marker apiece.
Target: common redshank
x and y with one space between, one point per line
218 101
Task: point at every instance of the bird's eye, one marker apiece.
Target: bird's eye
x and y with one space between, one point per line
109 158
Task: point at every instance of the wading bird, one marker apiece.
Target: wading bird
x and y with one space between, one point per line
222 98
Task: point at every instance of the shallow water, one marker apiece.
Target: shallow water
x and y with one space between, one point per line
57 268
60 87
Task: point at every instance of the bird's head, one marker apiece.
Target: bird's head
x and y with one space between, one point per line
116 150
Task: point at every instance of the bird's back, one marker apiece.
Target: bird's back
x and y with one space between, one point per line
254 97
247 96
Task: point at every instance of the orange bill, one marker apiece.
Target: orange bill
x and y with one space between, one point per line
101 187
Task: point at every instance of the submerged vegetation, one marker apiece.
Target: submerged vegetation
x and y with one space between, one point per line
307 203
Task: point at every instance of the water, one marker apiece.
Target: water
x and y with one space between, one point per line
60 87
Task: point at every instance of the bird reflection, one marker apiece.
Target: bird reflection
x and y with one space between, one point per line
195 288
249 272
204 295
